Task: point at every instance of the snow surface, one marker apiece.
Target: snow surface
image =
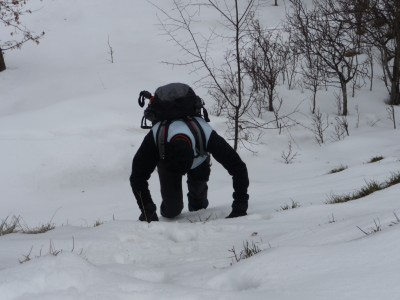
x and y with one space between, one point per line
69 127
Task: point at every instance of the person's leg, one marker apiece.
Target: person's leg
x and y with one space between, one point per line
171 192
197 186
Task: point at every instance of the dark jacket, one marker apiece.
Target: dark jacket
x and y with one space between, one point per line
147 158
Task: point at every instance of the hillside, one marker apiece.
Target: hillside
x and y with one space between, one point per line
70 125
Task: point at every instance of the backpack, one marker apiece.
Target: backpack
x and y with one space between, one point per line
171 102
194 127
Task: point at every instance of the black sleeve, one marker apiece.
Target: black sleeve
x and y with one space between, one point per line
143 165
230 160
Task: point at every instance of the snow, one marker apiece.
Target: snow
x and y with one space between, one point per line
70 125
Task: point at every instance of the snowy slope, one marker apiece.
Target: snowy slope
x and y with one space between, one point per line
69 127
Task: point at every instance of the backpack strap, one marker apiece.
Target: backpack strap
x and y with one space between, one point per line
198 134
162 137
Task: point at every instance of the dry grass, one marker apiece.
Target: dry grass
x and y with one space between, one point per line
15 224
338 169
370 187
9 225
375 159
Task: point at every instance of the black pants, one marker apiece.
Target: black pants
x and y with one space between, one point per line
171 189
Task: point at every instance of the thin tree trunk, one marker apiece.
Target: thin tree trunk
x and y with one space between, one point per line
314 100
239 77
344 92
395 88
372 73
2 62
236 141
270 102
394 91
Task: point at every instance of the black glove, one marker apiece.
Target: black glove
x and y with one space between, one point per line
148 216
236 213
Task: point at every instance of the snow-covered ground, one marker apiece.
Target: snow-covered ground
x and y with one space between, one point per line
70 125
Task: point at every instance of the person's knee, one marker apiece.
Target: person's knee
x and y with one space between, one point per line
171 212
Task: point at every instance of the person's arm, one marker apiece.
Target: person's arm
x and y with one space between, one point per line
231 161
143 165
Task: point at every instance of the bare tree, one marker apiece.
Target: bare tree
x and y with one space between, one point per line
265 59
311 68
11 12
386 36
313 75
226 83
365 71
378 22
319 126
370 54
292 62
341 129
322 31
289 156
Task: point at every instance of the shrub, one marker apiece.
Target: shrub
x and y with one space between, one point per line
374 229
375 159
393 179
338 169
40 229
248 251
289 206
9 226
397 221
98 223
371 187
